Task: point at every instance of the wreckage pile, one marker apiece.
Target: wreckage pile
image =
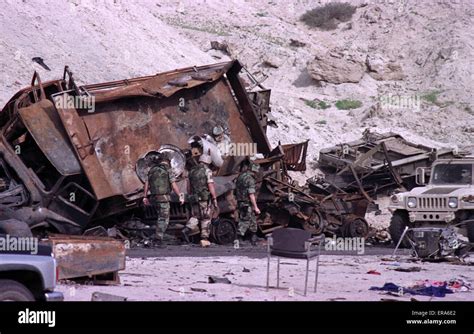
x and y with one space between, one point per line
79 168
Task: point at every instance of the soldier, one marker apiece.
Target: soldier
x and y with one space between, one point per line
220 139
201 186
160 183
247 202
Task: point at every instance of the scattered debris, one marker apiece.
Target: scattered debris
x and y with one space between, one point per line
459 285
373 272
40 61
221 46
245 270
436 243
105 297
296 43
179 291
395 264
408 270
88 256
424 288
216 279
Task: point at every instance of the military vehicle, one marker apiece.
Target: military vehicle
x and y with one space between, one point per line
448 198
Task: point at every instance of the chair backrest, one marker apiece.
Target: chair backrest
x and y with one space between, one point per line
290 239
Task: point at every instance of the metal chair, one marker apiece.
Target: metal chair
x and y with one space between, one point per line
296 244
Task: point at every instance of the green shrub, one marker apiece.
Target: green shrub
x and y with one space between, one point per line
348 104
431 97
323 105
317 104
327 17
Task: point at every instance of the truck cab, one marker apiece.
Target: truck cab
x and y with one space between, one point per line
448 197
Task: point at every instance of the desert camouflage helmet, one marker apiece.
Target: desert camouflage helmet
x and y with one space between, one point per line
205 158
217 130
160 157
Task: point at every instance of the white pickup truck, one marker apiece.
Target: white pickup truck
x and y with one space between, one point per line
27 275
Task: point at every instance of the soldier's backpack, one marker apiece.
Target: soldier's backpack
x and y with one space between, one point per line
198 180
241 187
159 181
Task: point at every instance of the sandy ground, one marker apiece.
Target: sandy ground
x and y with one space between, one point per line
341 277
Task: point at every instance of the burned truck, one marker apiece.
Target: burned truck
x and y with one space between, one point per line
448 198
67 164
69 155
377 163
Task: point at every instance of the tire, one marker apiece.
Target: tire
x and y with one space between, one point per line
13 291
397 225
15 228
223 231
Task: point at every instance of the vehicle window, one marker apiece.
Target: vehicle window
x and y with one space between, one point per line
452 174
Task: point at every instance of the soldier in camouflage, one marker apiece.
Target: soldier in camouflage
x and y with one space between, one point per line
160 183
201 188
247 203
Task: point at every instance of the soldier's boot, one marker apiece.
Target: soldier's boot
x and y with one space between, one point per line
205 243
253 239
158 242
185 232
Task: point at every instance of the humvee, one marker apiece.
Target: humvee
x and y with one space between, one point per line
448 198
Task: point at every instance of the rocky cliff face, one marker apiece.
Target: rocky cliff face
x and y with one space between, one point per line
408 63
403 66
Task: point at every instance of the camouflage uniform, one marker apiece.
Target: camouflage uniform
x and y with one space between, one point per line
160 179
245 185
199 177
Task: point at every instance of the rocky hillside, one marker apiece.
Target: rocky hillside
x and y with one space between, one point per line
405 66
99 40
401 66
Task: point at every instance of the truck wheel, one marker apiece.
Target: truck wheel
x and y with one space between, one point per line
223 231
397 225
13 291
15 228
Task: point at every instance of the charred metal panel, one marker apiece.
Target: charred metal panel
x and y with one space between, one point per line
111 140
261 102
249 114
44 125
295 156
84 148
86 256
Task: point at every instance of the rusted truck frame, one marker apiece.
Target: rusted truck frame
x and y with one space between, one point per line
73 168
67 166
376 163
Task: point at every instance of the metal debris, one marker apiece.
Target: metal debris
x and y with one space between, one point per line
105 297
87 256
216 279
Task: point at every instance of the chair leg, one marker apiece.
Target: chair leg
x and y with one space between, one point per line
278 273
306 279
316 275
268 271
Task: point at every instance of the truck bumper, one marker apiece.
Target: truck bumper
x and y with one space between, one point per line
54 296
431 216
